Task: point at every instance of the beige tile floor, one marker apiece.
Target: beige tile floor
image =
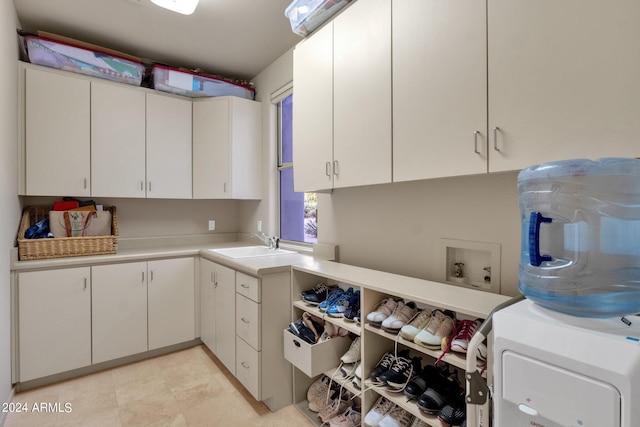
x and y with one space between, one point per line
186 388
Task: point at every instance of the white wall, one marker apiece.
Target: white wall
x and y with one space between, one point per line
397 227
10 205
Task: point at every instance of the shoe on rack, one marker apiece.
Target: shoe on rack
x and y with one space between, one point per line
378 411
333 297
415 325
385 364
299 329
348 370
357 377
347 300
335 407
464 332
442 391
440 325
319 293
385 309
401 372
397 417
353 311
400 316
333 330
351 418
318 392
353 354
419 383
357 316
453 413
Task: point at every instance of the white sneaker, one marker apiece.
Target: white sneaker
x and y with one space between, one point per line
384 310
441 325
400 316
379 410
397 417
357 377
353 354
334 408
419 321
348 370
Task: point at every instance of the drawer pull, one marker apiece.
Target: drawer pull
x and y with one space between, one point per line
244 320
245 286
245 365
296 343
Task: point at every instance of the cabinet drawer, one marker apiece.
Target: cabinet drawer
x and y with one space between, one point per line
248 367
248 286
248 321
317 358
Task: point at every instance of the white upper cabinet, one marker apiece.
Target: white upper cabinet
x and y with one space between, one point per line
57 135
439 89
563 81
227 148
362 94
313 111
117 141
169 167
342 101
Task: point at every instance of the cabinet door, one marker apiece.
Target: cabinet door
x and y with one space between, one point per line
57 134
117 141
208 304
211 149
313 112
246 148
54 312
362 94
118 310
168 147
225 279
171 302
439 89
563 81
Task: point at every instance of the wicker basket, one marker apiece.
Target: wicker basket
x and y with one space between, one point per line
60 247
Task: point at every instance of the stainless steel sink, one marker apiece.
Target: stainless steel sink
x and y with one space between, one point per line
250 251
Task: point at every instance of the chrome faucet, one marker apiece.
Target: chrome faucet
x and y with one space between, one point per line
271 242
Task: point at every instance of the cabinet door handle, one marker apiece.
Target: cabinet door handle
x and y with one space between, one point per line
224 187
85 183
142 276
141 185
151 276
336 171
245 365
475 142
495 138
85 283
245 320
327 168
244 286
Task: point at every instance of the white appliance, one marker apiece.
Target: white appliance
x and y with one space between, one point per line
556 370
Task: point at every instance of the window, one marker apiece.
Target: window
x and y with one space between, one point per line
297 210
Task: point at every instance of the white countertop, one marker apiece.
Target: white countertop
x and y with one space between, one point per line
167 248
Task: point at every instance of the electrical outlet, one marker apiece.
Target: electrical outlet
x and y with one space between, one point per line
212 224
259 226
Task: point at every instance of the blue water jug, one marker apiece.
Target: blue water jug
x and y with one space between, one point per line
581 236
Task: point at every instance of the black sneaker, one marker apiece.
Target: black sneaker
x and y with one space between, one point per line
454 413
442 391
385 364
319 293
402 370
419 383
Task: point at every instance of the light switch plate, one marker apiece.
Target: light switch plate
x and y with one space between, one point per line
212 224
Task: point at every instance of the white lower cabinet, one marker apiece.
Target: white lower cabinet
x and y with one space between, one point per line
75 317
262 312
54 314
374 342
217 311
171 301
118 310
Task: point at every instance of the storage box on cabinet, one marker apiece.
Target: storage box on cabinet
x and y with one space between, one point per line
317 358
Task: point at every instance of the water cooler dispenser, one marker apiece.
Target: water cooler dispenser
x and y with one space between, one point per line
569 354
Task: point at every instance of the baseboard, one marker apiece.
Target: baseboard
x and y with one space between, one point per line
3 414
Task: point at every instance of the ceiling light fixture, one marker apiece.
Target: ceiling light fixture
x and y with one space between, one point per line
185 7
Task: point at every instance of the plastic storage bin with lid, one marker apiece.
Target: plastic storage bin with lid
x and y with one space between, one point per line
581 236
307 15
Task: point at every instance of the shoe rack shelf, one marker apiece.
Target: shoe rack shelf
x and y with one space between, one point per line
374 287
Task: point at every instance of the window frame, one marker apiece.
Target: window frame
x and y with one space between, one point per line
276 98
